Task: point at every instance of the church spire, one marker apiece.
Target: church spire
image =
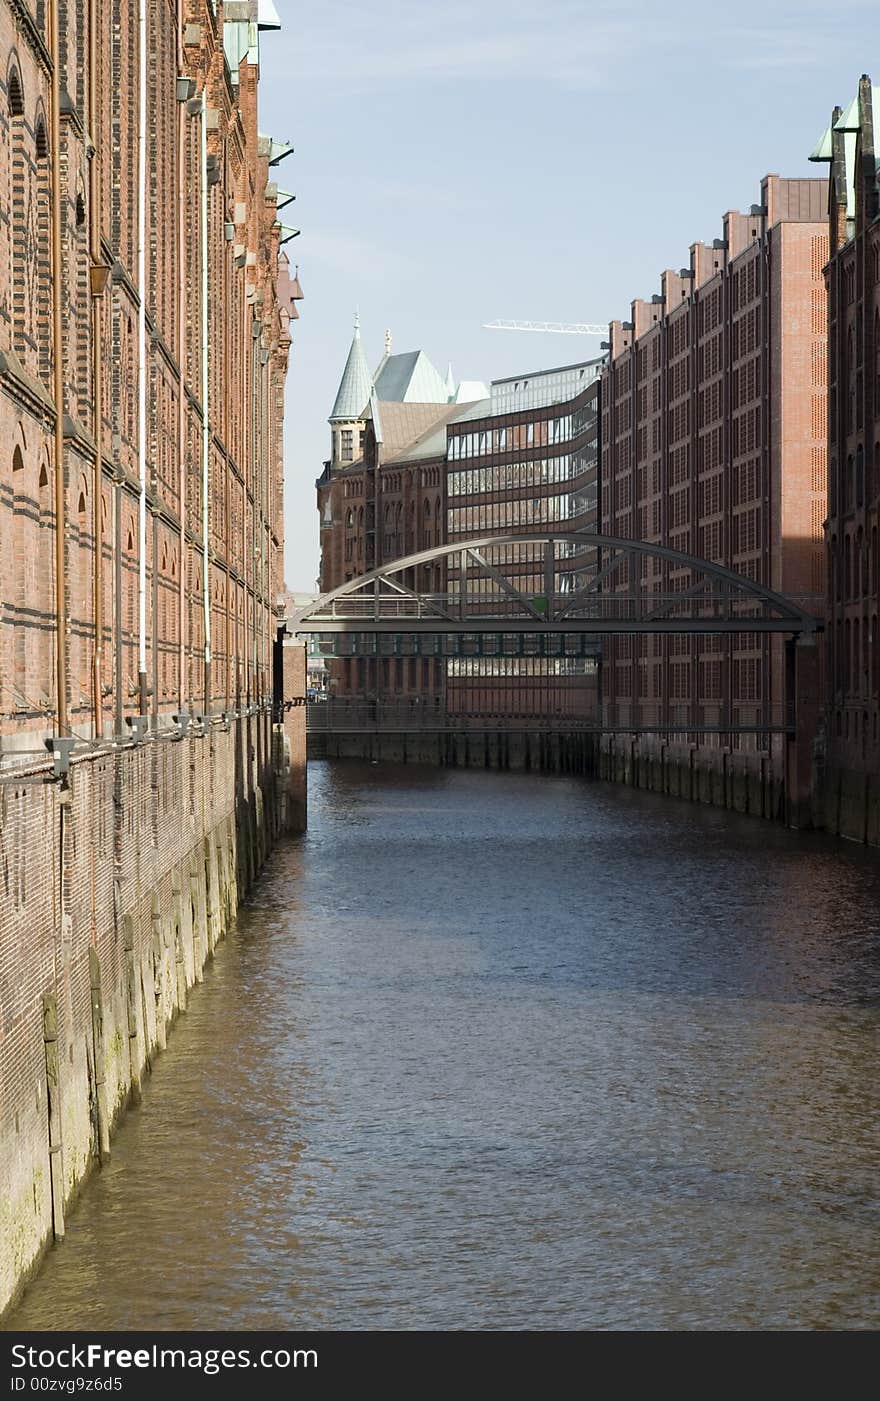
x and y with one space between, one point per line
353 393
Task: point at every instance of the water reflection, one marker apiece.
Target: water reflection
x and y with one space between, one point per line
491 1050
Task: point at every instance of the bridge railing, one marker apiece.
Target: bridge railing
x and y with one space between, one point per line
635 607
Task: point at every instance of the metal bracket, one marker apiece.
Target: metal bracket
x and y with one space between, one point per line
138 726
61 747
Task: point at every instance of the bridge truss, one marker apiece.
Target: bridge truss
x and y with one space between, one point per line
559 595
559 583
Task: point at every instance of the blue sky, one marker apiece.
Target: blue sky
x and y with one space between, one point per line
458 162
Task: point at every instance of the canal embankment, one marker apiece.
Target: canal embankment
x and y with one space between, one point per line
121 878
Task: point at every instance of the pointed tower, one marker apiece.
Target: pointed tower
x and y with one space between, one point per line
352 398
450 384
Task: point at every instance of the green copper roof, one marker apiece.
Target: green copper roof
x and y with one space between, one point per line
355 387
410 379
822 149
850 119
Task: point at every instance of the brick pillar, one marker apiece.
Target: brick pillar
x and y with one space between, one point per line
294 683
803 693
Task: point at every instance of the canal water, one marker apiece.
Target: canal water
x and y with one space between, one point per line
507 1051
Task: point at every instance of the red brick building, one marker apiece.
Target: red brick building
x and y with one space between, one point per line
171 350
389 504
381 497
144 341
851 789
713 443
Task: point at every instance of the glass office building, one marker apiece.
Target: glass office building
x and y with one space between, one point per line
526 462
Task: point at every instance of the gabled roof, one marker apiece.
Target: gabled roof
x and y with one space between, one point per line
353 393
432 443
401 425
410 379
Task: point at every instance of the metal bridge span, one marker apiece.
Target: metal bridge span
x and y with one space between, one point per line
479 599
589 584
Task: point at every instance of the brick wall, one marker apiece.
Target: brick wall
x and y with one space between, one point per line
851 787
116 888
248 345
714 444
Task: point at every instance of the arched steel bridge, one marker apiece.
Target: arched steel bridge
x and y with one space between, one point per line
590 583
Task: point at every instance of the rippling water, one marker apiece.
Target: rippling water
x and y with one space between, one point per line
499 1051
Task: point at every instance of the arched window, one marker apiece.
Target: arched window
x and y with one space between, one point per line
857 564
847 584
81 578
834 570
18 209
43 250
21 535
15 95
860 476
45 577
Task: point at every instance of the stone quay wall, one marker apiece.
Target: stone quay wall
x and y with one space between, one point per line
118 883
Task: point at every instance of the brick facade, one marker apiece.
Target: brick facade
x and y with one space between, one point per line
248 345
120 876
851 786
713 443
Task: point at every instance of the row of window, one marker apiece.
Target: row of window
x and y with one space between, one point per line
511 476
505 515
855 665
533 667
646 679
517 435
855 573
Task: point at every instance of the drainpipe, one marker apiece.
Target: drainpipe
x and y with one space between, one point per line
181 360
142 356
206 441
120 698
241 643
230 447
255 428
98 273
58 366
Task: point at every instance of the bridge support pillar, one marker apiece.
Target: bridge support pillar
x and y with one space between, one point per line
803 696
294 684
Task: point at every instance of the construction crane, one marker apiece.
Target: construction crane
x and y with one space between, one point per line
562 328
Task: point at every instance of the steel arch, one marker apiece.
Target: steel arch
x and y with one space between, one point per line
716 600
